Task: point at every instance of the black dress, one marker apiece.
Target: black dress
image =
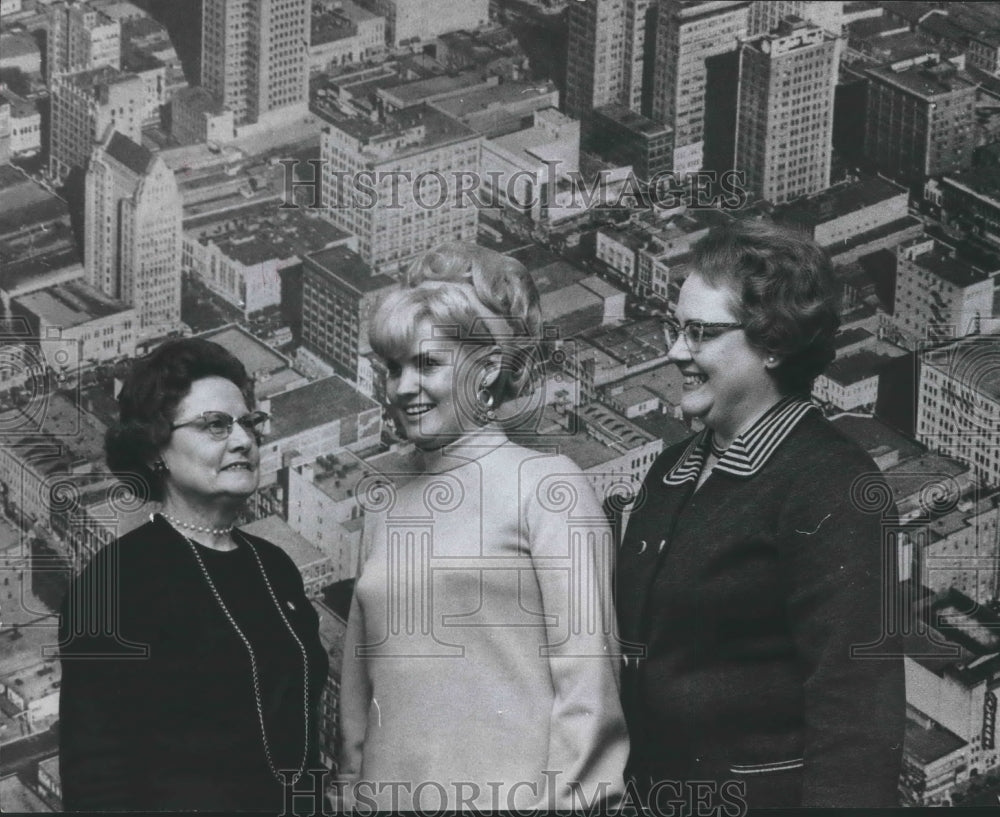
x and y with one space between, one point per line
158 711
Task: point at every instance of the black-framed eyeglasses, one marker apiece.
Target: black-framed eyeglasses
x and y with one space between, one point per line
219 425
694 332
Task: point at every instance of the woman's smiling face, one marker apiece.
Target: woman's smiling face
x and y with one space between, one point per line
726 382
422 389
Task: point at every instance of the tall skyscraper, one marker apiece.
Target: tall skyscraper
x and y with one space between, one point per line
255 55
687 35
80 37
132 231
595 69
84 106
766 14
784 130
920 121
639 40
415 159
411 21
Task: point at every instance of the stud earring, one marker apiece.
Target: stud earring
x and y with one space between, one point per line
486 402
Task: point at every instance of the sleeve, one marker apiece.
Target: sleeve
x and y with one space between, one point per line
102 697
842 581
355 686
572 551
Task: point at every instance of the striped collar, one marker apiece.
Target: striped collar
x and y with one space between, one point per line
750 450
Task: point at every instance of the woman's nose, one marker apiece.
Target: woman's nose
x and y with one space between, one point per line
408 381
679 350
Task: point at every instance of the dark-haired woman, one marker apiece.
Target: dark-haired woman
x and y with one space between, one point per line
747 571
191 657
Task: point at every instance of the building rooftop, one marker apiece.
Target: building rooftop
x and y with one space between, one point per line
417 91
19 107
858 366
635 122
18 798
271 233
136 61
946 264
276 530
475 100
17 45
257 357
315 404
983 181
926 744
329 26
52 267
135 157
349 268
554 276
437 129
71 304
973 361
837 201
848 337
927 82
93 77
911 476
876 437
634 344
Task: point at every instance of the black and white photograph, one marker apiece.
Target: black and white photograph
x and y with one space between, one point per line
563 406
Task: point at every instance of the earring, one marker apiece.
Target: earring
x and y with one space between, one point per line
486 401
160 467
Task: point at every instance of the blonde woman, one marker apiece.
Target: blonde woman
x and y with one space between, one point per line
479 667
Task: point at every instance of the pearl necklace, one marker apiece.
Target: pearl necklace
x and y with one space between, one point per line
177 523
255 675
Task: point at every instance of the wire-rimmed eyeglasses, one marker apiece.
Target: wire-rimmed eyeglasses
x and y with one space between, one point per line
694 332
219 425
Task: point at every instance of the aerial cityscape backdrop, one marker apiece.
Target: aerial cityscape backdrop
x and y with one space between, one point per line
259 172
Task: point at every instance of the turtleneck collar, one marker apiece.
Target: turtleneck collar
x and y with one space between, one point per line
467 448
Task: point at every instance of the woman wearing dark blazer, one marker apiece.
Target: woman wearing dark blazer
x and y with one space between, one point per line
749 572
191 658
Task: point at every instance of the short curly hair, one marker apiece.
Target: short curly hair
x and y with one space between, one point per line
784 293
149 398
488 296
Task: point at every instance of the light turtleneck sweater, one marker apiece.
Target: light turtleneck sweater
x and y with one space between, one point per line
479 651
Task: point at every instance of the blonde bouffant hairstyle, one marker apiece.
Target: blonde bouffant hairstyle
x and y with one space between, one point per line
479 296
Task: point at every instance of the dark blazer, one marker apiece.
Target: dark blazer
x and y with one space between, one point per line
160 714
748 596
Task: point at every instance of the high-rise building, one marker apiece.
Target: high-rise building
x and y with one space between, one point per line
766 14
339 294
637 69
396 183
80 37
408 22
920 121
255 55
132 228
595 67
958 402
784 130
940 294
84 106
688 35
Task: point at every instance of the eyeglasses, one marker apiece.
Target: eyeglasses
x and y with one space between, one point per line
219 425
694 332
